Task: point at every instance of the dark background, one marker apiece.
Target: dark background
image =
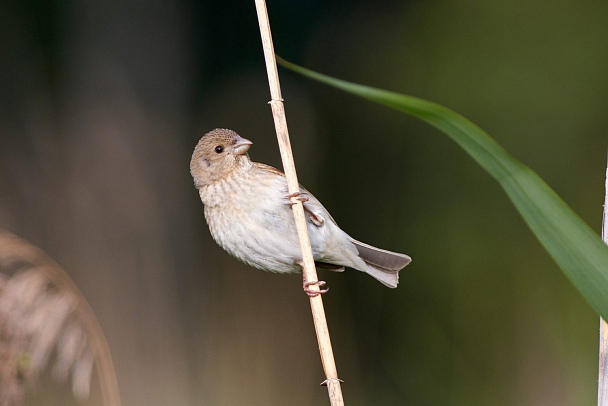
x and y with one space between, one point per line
102 102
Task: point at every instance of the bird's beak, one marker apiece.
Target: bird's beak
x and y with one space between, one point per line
241 146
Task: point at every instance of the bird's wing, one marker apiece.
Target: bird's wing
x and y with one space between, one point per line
268 168
316 213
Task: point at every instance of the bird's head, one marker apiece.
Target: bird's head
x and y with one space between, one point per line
217 154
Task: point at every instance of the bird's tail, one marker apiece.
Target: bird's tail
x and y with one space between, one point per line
381 264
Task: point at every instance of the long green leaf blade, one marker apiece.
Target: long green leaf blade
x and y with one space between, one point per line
575 247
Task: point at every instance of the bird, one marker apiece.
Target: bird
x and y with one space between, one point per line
247 209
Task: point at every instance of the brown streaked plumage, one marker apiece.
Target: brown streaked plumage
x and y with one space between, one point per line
248 213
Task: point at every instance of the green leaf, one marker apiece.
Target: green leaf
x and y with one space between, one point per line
575 247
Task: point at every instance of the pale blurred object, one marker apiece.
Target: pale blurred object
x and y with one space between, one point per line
44 319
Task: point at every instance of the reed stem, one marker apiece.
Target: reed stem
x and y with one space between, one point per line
309 271
602 389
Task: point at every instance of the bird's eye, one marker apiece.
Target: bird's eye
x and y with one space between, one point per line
219 149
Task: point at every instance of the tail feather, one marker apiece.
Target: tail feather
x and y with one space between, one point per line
328 266
381 264
390 279
384 260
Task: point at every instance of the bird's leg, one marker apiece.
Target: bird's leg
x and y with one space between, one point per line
298 195
315 219
307 284
313 293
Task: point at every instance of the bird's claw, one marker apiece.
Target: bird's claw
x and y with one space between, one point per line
314 293
299 196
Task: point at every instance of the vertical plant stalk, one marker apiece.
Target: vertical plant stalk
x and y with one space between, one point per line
602 390
309 271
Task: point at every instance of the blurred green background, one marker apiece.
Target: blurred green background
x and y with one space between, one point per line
102 103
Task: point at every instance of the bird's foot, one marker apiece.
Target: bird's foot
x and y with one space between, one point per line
314 293
298 195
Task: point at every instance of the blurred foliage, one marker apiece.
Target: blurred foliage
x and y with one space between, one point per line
103 103
580 252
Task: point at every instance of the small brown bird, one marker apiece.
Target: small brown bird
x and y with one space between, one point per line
248 212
